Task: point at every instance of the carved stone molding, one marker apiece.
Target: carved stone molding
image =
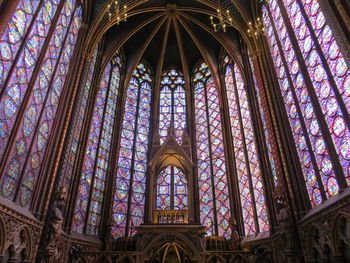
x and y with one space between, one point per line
325 231
20 235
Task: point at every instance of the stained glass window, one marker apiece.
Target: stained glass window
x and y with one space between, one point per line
267 133
315 87
38 95
246 158
171 189
172 105
15 33
73 142
87 213
213 191
16 85
130 184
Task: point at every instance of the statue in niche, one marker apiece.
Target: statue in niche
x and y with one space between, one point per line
56 222
234 234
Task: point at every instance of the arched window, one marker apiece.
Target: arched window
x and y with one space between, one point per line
130 185
87 213
245 153
314 81
66 171
213 191
172 191
32 81
172 104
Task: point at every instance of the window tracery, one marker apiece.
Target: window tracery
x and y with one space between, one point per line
172 190
88 209
172 105
212 179
130 182
252 196
314 86
32 81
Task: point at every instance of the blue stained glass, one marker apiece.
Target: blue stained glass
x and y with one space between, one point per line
96 160
297 96
132 160
35 126
210 154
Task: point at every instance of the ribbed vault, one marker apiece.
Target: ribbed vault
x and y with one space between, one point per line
168 33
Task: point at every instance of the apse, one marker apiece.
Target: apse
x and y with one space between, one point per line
182 131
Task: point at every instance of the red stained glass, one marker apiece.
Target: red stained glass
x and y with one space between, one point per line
87 216
311 146
172 104
35 126
213 190
130 181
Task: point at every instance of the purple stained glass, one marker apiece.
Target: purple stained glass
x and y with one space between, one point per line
172 105
317 72
164 186
240 158
14 34
172 192
212 178
130 181
256 175
70 157
330 49
268 135
22 70
30 144
180 190
96 159
292 104
48 116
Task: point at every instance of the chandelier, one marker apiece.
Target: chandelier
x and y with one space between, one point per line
117 11
221 20
256 29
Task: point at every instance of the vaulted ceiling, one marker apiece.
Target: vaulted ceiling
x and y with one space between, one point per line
168 33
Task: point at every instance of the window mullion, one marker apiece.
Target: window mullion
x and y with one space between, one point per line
172 108
326 67
211 160
97 151
132 165
23 44
315 102
256 221
172 189
301 119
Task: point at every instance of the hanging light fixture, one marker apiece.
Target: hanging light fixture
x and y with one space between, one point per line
256 29
222 20
117 11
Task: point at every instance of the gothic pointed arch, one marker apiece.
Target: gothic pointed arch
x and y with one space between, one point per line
130 179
